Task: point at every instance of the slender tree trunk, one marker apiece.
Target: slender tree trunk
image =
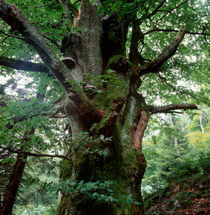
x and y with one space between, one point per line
201 124
176 142
13 185
15 179
5 172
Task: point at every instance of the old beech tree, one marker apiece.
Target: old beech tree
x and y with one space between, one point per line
133 48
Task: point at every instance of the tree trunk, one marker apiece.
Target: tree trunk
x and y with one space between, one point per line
13 185
176 142
121 114
15 178
201 124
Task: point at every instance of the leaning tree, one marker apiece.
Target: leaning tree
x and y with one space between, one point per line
114 62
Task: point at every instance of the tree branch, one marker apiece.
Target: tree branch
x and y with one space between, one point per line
179 91
156 9
168 12
34 154
173 30
23 65
10 35
28 116
167 52
167 108
136 37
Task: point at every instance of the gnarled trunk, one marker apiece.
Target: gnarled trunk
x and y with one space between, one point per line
122 112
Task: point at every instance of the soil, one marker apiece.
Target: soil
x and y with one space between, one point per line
186 197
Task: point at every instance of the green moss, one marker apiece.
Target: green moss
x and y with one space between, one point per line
98 127
114 60
117 59
115 89
63 206
65 169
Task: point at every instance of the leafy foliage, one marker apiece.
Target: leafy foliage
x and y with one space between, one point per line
166 164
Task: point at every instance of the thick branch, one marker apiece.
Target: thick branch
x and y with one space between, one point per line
167 108
23 65
137 36
168 52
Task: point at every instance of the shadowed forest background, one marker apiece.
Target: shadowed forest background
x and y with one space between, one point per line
104 107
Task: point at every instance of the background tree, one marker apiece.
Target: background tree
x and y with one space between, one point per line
113 61
167 168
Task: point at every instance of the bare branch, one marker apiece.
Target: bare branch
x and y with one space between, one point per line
167 52
179 91
52 41
22 65
44 5
28 116
167 108
55 115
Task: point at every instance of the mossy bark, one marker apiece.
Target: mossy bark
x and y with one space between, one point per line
125 164
120 106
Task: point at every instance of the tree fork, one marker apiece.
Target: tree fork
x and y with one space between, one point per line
12 16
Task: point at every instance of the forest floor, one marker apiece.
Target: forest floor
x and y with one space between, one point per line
187 197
